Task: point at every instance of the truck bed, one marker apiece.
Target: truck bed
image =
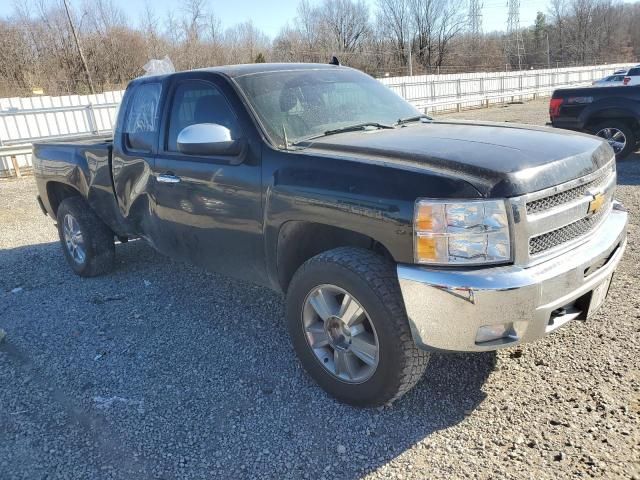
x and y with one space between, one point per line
599 93
577 107
83 164
78 141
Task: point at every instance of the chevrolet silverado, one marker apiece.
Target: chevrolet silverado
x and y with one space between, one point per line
390 234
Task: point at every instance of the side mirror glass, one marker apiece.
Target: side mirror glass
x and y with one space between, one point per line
208 139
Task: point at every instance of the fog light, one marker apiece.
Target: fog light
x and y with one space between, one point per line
489 333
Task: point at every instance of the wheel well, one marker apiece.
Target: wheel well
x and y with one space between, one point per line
57 192
298 241
632 122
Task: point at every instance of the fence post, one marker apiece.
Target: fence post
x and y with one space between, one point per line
458 92
482 94
16 167
91 118
521 76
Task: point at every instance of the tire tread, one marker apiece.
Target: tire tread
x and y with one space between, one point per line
101 249
380 274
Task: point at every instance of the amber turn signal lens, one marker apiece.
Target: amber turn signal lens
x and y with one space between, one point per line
426 248
424 217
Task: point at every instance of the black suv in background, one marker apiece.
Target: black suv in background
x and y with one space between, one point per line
612 113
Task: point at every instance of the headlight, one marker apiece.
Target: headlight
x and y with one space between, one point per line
461 232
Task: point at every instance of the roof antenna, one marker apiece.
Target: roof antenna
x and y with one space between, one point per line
334 61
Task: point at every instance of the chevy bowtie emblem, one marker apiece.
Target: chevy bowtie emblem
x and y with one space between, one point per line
596 204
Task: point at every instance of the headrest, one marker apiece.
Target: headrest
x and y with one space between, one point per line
288 99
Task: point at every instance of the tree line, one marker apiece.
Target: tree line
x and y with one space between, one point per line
39 50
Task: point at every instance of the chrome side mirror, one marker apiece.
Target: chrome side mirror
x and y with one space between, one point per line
208 139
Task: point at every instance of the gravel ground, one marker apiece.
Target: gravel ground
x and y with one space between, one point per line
163 371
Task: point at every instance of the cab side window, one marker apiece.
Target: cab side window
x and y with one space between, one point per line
196 101
142 120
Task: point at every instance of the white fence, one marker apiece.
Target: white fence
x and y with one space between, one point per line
25 120
468 90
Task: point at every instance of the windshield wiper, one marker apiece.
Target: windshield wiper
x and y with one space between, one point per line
358 126
414 118
348 128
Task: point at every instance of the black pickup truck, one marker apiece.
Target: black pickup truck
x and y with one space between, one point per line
391 234
612 113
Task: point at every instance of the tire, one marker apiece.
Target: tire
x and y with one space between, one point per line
372 282
94 252
615 128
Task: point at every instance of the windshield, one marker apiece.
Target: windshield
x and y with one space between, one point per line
307 103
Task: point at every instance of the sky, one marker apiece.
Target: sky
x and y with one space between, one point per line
271 15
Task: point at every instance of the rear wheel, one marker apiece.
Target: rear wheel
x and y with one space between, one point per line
619 135
347 322
86 241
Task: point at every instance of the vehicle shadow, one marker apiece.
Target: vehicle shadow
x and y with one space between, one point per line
202 362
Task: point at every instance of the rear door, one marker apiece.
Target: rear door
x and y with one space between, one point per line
208 209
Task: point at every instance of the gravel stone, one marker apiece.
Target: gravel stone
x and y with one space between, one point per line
196 378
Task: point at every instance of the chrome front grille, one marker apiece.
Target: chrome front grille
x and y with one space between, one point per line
566 196
552 221
566 234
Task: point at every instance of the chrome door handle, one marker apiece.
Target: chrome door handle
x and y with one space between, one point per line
168 178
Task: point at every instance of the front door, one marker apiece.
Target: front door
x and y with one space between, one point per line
208 209
134 148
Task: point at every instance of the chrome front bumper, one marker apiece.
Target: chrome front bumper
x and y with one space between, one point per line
447 308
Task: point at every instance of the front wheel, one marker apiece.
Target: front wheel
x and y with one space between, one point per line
619 135
86 241
348 325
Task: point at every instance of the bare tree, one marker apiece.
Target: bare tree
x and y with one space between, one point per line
308 25
437 23
38 47
346 23
101 16
395 24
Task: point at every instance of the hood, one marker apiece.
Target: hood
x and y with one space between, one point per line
498 159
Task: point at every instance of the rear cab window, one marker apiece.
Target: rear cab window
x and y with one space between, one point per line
142 119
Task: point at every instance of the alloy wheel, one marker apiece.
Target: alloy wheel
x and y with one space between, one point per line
615 137
340 333
73 239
